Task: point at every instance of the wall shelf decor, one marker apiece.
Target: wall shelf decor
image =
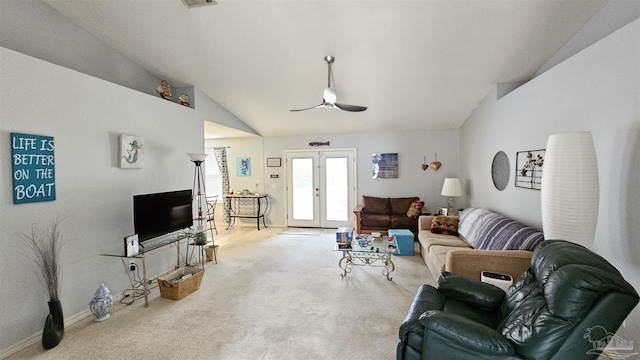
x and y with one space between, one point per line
164 90
529 169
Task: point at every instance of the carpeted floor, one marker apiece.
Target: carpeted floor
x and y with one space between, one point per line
271 296
301 231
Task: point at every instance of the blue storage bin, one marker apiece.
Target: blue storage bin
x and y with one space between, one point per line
404 239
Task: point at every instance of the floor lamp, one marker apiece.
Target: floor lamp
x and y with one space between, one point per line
199 197
570 188
199 194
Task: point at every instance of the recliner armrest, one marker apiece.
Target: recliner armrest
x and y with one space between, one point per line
427 298
446 334
470 291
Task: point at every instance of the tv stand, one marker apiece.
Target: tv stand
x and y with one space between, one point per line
153 247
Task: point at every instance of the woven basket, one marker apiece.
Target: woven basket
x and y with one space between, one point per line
171 287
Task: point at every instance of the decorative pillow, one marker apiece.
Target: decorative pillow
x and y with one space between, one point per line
445 225
497 232
415 209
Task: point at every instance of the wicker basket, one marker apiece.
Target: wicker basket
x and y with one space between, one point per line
171 287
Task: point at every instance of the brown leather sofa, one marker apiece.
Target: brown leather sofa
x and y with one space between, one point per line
377 214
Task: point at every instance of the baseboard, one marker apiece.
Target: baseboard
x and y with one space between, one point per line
37 337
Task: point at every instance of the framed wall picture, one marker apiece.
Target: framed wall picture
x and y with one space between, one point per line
529 169
33 181
243 166
385 166
274 162
131 151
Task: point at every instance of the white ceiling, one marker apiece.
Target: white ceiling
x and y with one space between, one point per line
416 64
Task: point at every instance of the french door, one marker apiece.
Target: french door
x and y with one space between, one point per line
321 188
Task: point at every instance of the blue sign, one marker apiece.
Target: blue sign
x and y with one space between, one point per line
33 166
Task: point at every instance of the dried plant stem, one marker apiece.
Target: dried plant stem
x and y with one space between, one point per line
45 252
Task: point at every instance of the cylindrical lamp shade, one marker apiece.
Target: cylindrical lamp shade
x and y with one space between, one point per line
570 188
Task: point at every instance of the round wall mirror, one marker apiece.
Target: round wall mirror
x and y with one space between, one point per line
500 170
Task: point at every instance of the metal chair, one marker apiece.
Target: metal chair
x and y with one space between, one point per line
211 223
211 207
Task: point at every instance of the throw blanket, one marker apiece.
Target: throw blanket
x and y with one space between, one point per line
486 230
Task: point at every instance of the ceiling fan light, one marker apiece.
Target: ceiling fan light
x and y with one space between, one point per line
196 3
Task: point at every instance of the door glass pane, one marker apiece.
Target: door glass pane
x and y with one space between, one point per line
337 180
302 182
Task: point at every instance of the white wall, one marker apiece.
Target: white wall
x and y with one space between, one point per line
85 115
34 28
597 90
412 147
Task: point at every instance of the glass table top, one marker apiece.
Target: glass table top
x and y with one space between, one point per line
159 242
369 245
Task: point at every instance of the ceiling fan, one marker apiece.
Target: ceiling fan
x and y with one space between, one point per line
329 95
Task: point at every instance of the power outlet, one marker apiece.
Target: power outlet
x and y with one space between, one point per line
132 265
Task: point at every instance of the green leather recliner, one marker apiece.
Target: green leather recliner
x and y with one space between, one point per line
546 314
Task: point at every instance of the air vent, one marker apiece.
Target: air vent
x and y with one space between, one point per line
196 3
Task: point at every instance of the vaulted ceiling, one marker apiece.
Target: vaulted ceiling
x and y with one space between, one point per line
417 65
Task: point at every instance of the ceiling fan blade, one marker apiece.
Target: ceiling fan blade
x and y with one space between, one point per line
352 108
313 107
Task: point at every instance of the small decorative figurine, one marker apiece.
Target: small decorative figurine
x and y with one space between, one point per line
164 89
436 164
101 303
184 99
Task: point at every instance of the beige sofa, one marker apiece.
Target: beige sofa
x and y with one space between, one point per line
486 242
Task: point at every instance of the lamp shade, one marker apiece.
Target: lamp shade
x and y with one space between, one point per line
451 187
197 157
570 188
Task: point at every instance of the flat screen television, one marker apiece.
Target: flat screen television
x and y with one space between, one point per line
161 213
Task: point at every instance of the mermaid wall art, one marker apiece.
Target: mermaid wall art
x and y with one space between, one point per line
131 151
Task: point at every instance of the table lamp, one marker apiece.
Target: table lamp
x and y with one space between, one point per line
452 187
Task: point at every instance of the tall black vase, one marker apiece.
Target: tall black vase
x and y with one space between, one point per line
53 325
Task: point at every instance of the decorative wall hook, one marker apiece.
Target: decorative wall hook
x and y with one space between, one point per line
436 164
424 164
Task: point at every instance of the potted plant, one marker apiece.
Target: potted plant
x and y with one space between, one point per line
201 238
44 249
